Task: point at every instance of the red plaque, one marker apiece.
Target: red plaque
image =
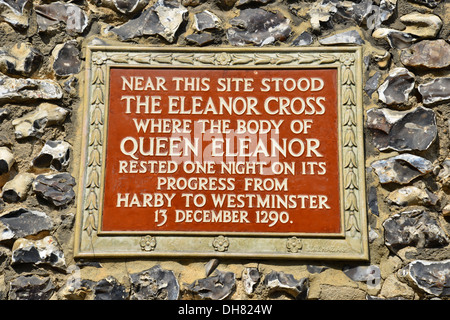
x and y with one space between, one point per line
222 150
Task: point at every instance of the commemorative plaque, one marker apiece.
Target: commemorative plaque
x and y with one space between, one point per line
222 152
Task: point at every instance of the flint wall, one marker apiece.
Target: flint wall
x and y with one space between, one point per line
406 99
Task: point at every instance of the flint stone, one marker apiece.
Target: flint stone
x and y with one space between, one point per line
396 39
435 91
372 84
315 269
206 20
411 195
15 13
444 173
55 154
19 90
397 87
34 123
446 210
371 14
16 189
210 266
154 284
52 14
67 59
351 37
3 113
76 288
55 188
6 160
126 6
164 19
305 39
394 289
31 288
200 39
402 130
401 169
110 289
432 277
414 228
22 59
280 281
45 251
372 201
245 2
422 25
427 54
250 279
22 223
321 14
363 273
382 59
428 3
324 12
259 27
217 287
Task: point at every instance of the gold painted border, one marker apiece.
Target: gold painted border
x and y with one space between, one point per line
350 244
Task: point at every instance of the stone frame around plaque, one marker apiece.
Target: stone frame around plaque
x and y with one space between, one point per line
350 244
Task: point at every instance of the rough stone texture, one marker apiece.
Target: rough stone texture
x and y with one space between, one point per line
421 24
416 228
6 160
16 190
200 39
432 277
258 27
402 130
57 189
164 19
305 39
435 91
372 84
110 289
125 6
362 273
22 59
250 279
54 154
46 251
206 20
444 173
23 90
411 195
280 281
22 223
216 287
395 289
428 3
401 169
397 87
42 60
50 15
427 54
154 284
67 59
15 13
344 38
31 287
34 123
396 39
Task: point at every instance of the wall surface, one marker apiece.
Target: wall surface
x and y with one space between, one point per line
406 84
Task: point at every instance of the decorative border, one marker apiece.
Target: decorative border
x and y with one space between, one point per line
350 245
